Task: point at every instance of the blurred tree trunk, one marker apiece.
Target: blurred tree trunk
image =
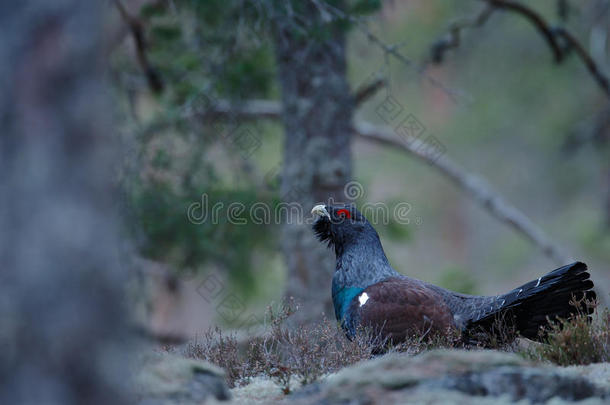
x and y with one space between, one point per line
62 322
317 117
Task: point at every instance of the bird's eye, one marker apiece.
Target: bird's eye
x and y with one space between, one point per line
344 213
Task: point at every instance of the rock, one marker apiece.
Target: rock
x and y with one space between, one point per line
260 390
458 376
165 379
396 370
596 373
478 377
533 384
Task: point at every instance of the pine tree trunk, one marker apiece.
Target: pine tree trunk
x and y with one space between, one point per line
62 325
317 117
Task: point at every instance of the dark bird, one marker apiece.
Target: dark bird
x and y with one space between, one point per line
368 292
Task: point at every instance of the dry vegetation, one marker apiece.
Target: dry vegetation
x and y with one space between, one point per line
579 340
284 353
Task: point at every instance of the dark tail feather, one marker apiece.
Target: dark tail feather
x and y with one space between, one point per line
528 307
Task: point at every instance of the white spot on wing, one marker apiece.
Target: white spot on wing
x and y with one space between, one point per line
363 298
538 283
520 290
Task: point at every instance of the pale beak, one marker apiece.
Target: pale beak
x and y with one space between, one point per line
321 211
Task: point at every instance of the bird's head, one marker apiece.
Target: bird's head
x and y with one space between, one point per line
342 225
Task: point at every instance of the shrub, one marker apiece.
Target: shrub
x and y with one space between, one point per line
220 349
578 340
285 353
304 353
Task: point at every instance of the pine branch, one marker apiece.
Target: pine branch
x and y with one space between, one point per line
470 184
473 186
155 83
559 39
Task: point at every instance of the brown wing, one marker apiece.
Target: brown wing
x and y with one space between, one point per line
402 307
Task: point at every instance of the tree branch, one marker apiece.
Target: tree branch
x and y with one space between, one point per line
472 185
137 32
453 38
537 21
559 39
389 50
586 58
368 91
552 35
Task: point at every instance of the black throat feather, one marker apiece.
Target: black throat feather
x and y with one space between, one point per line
322 231
325 234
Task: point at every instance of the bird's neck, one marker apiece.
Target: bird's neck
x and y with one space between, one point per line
359 265
362 263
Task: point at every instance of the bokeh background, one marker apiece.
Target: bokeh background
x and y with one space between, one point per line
535 130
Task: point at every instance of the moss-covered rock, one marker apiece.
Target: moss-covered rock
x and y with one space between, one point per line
459 376
397 370
484 377
169 379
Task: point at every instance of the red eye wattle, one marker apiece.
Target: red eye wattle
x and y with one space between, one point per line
344 213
